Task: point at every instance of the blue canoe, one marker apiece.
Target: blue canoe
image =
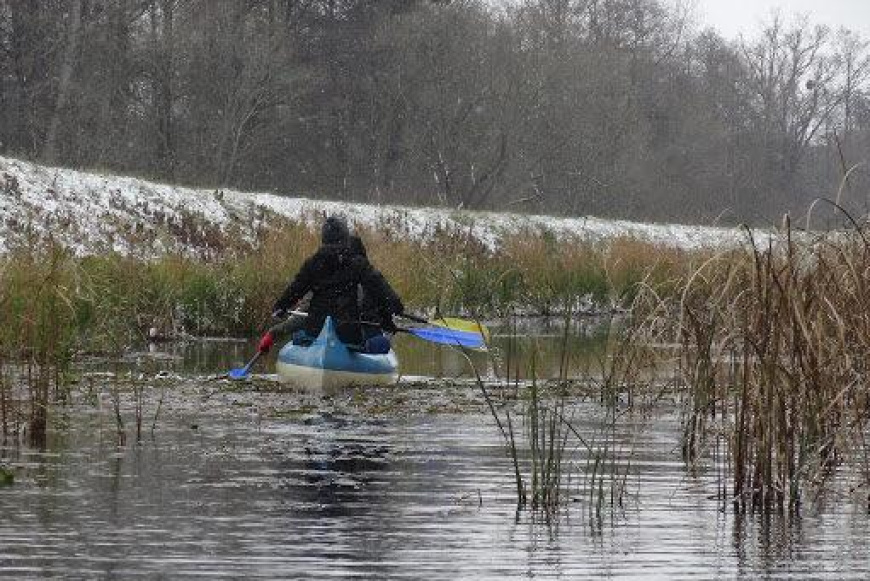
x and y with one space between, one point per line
327 364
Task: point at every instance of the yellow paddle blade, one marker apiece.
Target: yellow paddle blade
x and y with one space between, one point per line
463 325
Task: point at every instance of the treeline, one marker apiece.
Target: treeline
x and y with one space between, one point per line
603 107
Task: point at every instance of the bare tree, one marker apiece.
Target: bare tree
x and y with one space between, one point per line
162 70
67 66
794 89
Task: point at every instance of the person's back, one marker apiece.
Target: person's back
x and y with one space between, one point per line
332 275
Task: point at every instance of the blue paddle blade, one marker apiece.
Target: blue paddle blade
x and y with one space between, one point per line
240 373
449 337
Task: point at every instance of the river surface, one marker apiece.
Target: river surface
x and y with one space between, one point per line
515 344
248 480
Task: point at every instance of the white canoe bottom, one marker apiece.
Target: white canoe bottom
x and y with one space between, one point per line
315 378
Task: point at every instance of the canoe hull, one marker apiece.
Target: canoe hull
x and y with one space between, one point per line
328 364
312 378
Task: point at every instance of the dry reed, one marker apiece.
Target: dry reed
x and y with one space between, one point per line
774 344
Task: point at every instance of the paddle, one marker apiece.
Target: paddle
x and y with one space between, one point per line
462 328
446 336
436 334
242 372
463 325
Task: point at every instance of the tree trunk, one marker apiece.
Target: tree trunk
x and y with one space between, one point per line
67 66
164 45
22 132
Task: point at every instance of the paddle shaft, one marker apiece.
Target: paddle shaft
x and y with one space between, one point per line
408 316
367 323
253 360
435 335
415 318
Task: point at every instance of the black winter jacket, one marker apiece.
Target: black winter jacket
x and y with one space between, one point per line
379 301
333 275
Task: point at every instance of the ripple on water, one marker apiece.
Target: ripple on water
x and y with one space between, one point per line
333 492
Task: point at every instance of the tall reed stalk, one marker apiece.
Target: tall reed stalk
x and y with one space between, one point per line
556 454
774 344
36 340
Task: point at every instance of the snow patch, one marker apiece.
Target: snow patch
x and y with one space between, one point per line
93 213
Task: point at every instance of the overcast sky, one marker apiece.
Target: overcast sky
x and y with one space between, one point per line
732 17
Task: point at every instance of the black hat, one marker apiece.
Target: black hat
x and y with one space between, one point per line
334 231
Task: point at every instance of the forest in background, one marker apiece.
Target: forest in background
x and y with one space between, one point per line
613 108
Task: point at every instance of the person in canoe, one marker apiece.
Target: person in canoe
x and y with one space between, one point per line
338 279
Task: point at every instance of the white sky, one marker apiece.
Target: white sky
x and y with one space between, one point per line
733 17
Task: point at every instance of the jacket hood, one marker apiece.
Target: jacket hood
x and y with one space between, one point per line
334 231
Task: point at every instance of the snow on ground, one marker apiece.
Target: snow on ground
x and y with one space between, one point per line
92 213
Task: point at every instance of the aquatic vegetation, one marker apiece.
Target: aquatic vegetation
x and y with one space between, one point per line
558 454
7 476
36 339
773 349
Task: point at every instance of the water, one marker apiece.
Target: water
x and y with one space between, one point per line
540 338
248 481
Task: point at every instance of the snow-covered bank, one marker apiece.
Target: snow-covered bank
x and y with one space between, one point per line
93 213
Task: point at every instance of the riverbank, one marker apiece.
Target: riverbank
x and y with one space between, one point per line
101 302
119 259
97 213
